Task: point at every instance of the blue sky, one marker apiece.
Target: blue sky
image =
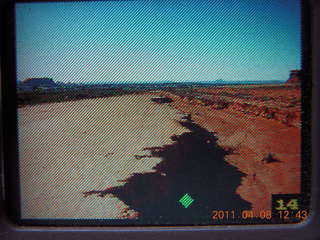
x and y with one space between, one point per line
157 41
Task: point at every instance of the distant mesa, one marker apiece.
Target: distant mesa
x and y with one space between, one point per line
34 83
295 77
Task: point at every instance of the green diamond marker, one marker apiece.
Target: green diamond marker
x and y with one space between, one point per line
186 200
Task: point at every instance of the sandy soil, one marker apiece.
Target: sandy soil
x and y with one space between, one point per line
72 147
252 139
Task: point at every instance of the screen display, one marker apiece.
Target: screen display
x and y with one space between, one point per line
160 112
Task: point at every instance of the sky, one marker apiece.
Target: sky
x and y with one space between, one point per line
158 41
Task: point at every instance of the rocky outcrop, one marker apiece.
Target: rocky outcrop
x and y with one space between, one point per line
283 109
295 77
285 116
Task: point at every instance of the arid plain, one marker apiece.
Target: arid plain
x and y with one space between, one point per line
72 152
71 147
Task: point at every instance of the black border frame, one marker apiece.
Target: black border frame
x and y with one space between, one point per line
306 230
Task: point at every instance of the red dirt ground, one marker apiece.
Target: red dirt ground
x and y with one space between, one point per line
252 138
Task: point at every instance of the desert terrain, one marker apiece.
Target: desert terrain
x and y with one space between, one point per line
71 147
135 155
261 127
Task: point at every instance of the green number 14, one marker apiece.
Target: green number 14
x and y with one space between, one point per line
292 204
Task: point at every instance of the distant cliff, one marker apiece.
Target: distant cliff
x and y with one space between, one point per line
33 83
295 77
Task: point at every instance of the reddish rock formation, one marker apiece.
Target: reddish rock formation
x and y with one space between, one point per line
295 77
278 103
260 127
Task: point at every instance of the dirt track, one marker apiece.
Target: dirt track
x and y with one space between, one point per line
72 147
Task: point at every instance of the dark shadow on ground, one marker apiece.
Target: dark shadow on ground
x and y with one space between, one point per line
162 100
194 164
